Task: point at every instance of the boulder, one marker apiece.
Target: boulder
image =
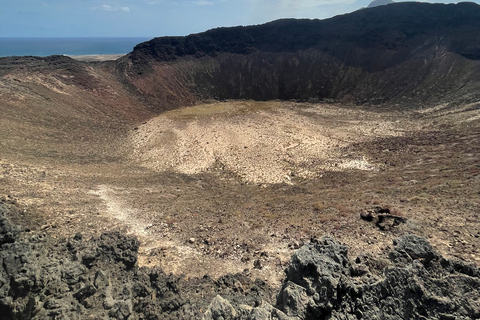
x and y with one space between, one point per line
418 284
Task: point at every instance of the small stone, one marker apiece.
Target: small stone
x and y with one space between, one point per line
192 240
101 280
245 258
367 215
257 264
294 245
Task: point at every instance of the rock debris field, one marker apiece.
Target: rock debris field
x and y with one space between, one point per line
99 278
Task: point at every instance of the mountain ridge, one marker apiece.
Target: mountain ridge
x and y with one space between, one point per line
292 34
376 3
400 53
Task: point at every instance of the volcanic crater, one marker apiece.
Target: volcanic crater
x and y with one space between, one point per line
226 151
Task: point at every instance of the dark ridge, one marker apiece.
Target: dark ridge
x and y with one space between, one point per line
32 63
389 27
412 54
377 3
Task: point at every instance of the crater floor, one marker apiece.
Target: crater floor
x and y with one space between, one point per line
238 185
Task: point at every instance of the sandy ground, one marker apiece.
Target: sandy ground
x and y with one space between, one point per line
97 57
263 143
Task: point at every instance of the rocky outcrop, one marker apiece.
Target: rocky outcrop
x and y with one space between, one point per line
41 278
46 278
415 282
8 232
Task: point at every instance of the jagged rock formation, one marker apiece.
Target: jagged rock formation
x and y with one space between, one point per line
414 283
323 284
45 278
409 53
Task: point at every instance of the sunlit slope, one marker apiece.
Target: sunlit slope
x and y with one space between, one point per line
58 108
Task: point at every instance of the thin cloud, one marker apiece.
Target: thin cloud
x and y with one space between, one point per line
190 3
278 5
107 7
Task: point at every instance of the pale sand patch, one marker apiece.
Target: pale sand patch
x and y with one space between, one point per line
97 57
262 142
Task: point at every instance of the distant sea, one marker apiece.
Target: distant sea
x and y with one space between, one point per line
66 46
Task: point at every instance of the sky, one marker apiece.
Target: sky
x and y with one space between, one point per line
154 18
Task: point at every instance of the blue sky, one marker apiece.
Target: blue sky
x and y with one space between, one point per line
151 18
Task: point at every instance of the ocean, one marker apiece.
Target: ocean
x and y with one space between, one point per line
43 47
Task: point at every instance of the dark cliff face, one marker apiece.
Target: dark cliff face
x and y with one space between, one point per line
385 28
412 53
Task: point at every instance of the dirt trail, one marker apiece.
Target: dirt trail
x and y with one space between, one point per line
158 244
120 210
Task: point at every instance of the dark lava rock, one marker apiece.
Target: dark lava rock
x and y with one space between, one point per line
383 218
322 283
418 284
8 232
46 278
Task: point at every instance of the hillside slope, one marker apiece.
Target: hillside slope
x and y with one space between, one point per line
409 53
57 101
